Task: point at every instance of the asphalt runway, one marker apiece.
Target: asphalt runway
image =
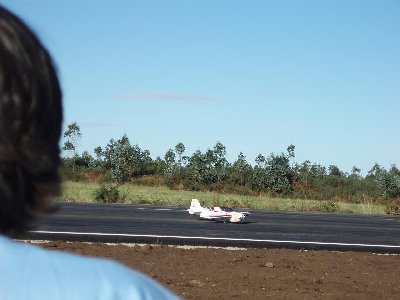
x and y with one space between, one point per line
174 225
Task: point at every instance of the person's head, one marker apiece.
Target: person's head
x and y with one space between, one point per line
30 125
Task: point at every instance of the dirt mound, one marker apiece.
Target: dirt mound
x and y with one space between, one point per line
209 273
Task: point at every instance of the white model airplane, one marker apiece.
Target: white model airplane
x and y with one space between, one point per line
216 213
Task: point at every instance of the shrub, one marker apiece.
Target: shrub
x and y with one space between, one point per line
393 208
68 174
149 180
93 176
328 206
108 194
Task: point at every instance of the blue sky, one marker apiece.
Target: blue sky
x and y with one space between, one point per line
255 75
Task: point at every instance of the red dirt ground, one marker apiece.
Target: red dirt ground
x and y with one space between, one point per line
209 273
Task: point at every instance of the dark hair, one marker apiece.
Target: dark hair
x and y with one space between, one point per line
30 125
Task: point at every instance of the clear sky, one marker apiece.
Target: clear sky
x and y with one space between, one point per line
256 75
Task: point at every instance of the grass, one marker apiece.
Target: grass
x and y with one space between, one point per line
136 194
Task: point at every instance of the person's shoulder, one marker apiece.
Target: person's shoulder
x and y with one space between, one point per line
109 277
81 277
123 282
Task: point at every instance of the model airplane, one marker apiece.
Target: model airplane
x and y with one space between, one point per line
216 213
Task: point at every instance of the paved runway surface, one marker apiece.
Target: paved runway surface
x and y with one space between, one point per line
173 225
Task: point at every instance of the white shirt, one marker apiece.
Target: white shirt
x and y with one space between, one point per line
28 272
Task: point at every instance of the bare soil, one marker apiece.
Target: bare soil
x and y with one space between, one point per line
210 273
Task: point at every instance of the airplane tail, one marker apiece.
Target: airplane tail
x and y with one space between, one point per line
195 207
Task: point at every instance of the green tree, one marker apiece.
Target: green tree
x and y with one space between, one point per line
159 166
85 161
98 151
179 150
388 182
72 136
169 159
98 162
241 170
355 173
218 162
259 176
207 169
290 150
274 173
182 160
279 173
334 171
125 161
394 170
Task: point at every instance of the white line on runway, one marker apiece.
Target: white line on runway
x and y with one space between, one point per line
147 208
214 239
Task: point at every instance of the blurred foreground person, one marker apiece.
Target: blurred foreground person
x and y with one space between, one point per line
30 128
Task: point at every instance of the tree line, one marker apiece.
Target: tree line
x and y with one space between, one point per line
121 161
